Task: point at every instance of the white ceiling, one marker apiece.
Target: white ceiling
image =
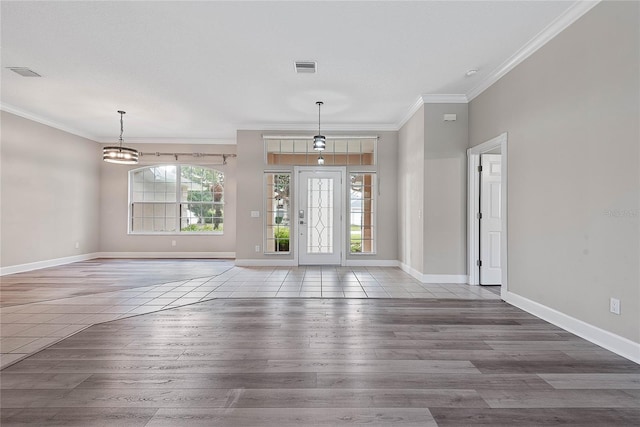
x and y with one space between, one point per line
202 70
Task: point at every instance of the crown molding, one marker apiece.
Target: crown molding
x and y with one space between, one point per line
572 14
39 119
412 110
303 127
444 98
171 140
448 98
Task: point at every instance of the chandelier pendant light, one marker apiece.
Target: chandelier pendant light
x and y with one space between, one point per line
119 154
319 141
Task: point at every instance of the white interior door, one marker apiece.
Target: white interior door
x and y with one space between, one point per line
319 217
490 222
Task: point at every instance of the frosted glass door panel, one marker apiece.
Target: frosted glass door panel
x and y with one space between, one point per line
319 217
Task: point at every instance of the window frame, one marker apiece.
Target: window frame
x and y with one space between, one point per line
177 202
374 208
267 211
311 156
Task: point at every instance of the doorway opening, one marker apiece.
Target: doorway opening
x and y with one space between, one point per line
320 215
487 213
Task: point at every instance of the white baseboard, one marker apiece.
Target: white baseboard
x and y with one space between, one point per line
266 263
411 271
195 255
355 262
21 268
434 278
292 263
612 342
445 278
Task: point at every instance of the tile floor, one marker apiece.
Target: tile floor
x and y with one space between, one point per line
28 328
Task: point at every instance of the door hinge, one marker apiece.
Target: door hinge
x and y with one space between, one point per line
480 168
479 215
479 263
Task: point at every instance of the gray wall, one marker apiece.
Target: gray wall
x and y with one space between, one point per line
411 192
432 159
50 192
571 111
114 199
445 189
251 167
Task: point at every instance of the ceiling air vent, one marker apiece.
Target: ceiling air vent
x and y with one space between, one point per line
24 71
305 66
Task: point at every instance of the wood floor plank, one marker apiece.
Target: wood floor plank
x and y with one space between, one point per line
429 381
201 381
358 398
597 381
42 381
79 417
577 417
553 366
559 399
293 417
246 366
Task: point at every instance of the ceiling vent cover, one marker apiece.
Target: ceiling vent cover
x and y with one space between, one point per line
24 71
305 66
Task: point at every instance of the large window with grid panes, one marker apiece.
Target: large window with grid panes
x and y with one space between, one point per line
172 199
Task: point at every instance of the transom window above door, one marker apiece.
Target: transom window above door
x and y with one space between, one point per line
339 151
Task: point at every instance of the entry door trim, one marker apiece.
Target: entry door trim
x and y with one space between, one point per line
473 188
343 212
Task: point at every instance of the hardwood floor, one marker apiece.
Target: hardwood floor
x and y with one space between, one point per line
297 362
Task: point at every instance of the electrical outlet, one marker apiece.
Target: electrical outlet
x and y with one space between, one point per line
77 245
173 243
614 305
257 248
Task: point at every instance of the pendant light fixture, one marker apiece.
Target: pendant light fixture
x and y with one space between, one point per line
319 141
119 154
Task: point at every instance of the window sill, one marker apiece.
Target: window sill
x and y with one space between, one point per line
210 233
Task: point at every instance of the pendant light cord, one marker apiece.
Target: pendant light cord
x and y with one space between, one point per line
319 105
121 126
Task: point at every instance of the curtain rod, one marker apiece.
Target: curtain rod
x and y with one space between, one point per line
197 155
328 137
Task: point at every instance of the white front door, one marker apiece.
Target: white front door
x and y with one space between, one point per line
490 222
319 216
